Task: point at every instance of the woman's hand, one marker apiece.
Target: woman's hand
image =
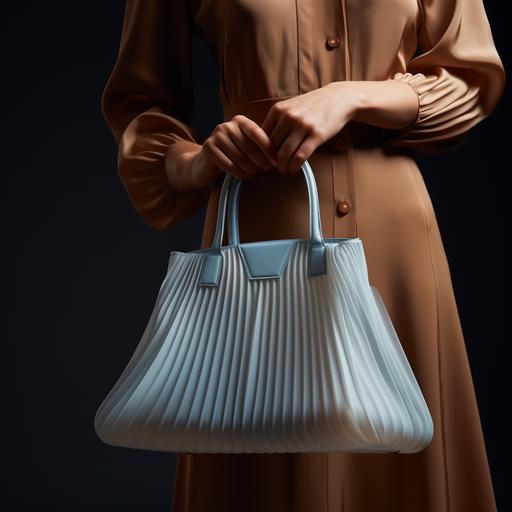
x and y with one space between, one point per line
238 147
291 131
298 125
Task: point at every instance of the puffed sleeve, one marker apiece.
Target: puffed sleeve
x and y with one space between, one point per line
457 75
147 103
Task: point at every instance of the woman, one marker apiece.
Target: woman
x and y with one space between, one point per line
351 86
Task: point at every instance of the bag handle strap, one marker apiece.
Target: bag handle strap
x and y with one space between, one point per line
211 267
315 222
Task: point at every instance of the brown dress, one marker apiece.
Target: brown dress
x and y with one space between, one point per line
369 186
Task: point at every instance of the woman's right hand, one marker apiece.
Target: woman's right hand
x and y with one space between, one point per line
238 147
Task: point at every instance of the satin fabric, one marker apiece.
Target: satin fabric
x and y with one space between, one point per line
369 187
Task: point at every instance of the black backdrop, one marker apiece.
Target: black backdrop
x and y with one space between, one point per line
84 269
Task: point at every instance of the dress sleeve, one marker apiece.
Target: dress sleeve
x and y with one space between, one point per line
457 75
147 103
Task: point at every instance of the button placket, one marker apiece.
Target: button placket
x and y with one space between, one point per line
333 40
345 186
306 59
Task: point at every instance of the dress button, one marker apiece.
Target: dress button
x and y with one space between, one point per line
333 41
342 208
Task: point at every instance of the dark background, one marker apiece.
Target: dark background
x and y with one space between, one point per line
84 269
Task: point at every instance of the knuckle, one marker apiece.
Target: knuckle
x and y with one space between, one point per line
253 131
209 144
220 128
278 107
249 132
288 115
227 127
309 126
317 132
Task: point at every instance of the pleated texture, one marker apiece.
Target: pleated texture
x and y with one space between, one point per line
289 364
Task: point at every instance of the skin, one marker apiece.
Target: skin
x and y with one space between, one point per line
291 131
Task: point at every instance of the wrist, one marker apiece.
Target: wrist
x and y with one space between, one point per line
388 104
356 99
365 103
203 172
179 165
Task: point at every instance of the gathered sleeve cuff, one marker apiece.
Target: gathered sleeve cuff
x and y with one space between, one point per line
147 103
458 76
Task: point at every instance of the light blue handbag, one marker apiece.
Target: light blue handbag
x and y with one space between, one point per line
268 347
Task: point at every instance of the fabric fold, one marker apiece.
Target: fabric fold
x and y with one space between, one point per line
457 75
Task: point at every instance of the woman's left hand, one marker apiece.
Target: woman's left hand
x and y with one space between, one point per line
298 125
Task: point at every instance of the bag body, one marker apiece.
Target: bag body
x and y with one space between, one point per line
268 347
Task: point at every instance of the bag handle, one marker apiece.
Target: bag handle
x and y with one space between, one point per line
212 263
315 222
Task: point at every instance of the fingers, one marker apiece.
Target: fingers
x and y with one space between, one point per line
288 158
240 147
295 139
233 143
215 155
257 145
298 156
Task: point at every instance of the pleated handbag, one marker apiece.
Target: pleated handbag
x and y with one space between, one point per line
268 347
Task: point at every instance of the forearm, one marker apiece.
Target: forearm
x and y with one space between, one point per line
391 104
